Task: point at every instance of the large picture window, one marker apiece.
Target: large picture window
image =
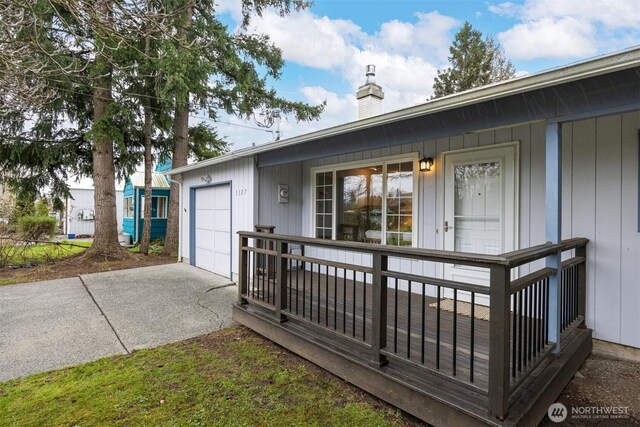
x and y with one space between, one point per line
372 203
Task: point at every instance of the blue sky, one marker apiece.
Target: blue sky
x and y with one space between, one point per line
327 47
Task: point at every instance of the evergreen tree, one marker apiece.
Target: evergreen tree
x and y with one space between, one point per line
70 104
474 62
203 75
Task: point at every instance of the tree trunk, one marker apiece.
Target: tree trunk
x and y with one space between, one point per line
105 240
180 146
180 155
148 163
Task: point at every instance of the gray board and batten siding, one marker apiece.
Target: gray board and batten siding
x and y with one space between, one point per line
600 202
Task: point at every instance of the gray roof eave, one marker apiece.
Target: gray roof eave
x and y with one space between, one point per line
593 67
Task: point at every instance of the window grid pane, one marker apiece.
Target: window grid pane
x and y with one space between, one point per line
359 204
399 204
324 203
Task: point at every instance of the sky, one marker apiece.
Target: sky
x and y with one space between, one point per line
327 47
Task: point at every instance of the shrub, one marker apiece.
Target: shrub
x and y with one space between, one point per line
42 208
36 227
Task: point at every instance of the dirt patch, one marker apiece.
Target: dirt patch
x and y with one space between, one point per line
602 383
80 264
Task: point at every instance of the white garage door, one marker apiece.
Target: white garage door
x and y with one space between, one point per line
213 229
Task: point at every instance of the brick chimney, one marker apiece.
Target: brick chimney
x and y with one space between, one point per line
369 96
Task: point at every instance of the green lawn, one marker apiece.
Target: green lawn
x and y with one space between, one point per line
229 378
45 252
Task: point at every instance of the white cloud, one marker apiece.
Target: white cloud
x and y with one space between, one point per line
507 9
549 38
568 28
406 55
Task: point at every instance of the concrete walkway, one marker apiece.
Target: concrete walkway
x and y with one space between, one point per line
57 323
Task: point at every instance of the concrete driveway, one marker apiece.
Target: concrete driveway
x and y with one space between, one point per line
52 324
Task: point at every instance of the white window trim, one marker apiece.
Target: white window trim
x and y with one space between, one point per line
384 161
154 217
126 210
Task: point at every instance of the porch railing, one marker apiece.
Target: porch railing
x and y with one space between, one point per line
387 301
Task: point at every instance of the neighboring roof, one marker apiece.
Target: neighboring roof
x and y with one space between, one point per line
158 180
593 67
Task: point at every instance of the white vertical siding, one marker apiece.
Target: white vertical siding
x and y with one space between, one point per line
83 199
241 173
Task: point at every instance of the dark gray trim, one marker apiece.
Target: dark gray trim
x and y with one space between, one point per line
609 111
638 180
192 221
593 96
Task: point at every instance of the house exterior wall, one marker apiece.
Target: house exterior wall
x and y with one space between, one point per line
83 199
600 202
242 176
158 225
286 217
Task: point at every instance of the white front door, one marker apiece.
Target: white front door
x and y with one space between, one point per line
480 192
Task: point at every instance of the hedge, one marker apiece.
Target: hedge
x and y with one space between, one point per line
36 227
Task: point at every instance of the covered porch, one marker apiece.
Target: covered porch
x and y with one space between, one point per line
448 352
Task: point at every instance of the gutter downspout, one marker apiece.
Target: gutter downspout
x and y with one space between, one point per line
180 217
136 214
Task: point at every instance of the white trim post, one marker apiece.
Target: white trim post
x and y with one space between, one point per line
553 171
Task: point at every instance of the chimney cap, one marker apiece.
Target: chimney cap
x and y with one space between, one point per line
370 72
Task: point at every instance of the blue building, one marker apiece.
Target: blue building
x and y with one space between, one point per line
133 216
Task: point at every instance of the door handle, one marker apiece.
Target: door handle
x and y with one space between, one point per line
447 227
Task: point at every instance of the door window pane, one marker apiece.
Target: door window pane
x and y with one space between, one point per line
477 209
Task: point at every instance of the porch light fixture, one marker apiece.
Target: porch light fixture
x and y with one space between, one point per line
425 164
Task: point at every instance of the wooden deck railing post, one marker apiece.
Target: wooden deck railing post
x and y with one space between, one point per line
499 328
243 273
378 310
582 280
281 280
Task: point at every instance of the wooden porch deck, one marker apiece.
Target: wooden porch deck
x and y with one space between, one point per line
407 339
362 324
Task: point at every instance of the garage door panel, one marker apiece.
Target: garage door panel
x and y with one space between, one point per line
203 219
222 199
205 198
222 242
205 259
221 220
205 240
212 226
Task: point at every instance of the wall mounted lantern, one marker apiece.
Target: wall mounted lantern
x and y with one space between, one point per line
426 163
